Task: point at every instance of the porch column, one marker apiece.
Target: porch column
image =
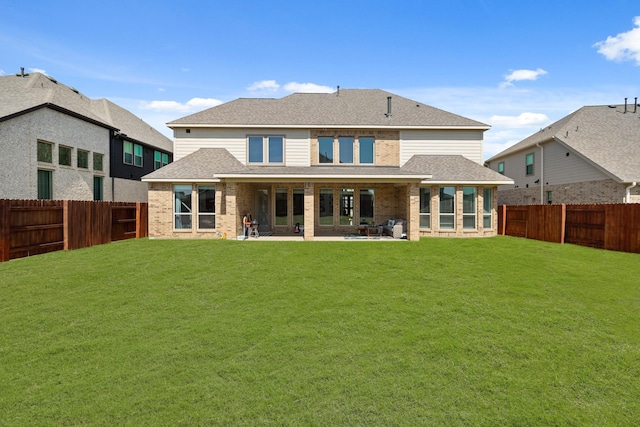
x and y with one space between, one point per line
413 211
309 211
230 225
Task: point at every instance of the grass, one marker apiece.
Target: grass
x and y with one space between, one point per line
498 331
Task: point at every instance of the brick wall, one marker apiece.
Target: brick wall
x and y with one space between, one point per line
387 144
602 191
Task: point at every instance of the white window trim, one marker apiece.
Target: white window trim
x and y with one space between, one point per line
265 150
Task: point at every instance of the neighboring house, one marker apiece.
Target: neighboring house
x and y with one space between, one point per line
58 144
328 164
590 156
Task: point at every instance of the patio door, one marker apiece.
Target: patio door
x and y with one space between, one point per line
262 210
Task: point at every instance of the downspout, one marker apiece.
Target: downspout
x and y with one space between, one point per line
541 173
628 195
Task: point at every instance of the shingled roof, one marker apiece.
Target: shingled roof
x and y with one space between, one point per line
344 108
22 94
607 136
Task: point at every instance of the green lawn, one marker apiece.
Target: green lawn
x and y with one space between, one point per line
497 331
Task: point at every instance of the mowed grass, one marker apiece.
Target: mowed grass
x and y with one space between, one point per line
496 331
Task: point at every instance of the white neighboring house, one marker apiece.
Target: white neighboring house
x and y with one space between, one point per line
590 156
331 164
56 143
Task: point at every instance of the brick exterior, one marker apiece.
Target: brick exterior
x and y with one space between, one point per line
387 144
602 191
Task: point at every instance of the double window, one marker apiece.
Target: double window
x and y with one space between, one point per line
183 206
346 150
160 159
132 153
266 149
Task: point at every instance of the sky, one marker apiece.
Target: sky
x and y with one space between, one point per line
515 65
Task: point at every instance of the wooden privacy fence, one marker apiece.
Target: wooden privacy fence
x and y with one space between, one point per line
31 227
609 226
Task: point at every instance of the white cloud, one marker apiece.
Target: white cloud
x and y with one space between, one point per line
1 72
307 88
522 120
38 70
624 46
195 104
268 85
519 75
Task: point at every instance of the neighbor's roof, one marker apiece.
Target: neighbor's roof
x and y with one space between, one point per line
344 108
606 136
19 95
215 164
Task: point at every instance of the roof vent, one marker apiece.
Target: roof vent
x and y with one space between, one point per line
388 114
22 73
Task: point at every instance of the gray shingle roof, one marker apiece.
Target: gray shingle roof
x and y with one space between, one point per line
604 135
448 168
21 94
207 164
349 107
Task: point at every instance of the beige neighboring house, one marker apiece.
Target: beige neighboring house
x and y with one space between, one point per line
357 160
590 156
57 143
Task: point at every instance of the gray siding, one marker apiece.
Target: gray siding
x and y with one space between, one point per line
560 168
467 143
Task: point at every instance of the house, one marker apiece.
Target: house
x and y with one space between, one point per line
59 144
590 156
328 164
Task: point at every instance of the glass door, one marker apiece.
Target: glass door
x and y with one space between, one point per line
262 211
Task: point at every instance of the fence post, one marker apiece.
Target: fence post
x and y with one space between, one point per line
5 230
503 226
66 225
563 225
138 219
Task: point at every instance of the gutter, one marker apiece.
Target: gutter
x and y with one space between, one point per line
628 195
541 172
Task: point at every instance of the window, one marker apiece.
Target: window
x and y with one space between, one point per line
45 185
366 150
160 159
281 206
182 209
447 208
298 206
366 206
206 206
487 203
425 207
272 146
469 195
137 155
97 188
325 203
529 163
325 149
97 161
83 159
345 145
346 206
64 156
45 152
501 168
127 149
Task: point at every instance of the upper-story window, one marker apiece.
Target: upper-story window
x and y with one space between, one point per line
366 145
529 163
160 159
266 149
83 159
132 153
345 145
45 152
325 149
64 155
501 168
349 150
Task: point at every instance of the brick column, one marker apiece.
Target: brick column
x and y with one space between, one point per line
309 211
231 225
413 211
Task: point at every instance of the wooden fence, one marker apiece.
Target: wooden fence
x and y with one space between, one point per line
610 226
31 227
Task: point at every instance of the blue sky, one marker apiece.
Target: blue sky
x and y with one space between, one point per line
515 65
